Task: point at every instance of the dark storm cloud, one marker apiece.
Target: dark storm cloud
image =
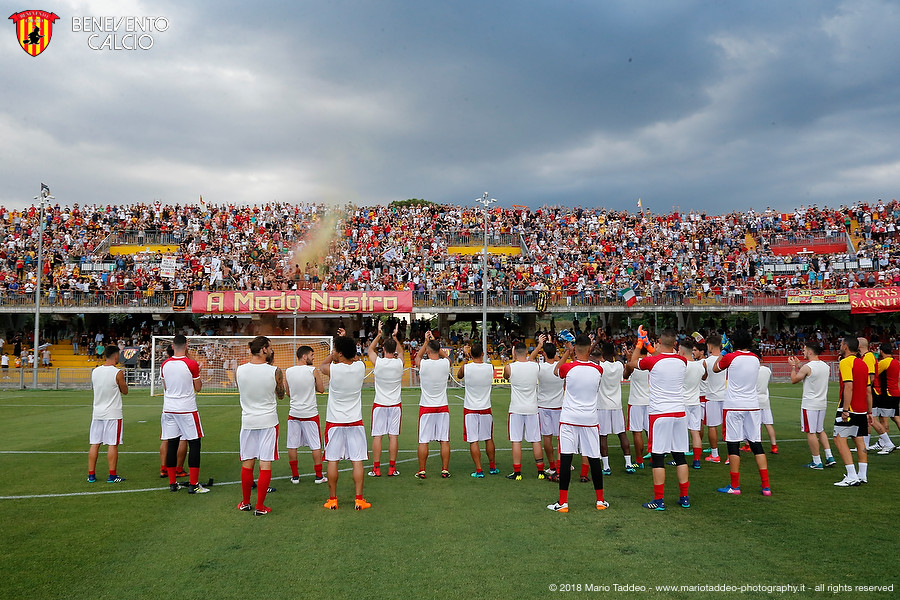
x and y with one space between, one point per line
701 105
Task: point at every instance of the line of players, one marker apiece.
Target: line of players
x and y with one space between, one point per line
553 396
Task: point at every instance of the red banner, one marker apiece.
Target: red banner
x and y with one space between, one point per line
302 301
874 300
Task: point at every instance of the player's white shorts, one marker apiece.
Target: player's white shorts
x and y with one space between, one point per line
184 425
883 412
668 433
742 425
694 414
612 421
260 443
549 420
385 420
433 426
766 416
527 424
346 442
638 417
714 412
812 421
478 425
579 439
304 432
106 431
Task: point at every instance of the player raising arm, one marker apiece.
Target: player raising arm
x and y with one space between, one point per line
386 411
434 412
301 384
478 422
550 397
109 384
813 402
522 375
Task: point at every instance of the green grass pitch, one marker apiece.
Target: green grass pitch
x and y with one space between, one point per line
454 538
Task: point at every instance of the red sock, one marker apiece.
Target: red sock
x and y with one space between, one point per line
171 471
376 464
599 494
698 453
359 497
493 465
295 467
393 464
113 472
540 467
584 469
318 468
563 496
658 490
517 468
639 459
683 488
552 465
162 469
735 480
194 475
92 473
262 486
246 483
764 475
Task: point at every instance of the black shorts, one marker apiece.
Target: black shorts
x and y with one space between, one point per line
856 426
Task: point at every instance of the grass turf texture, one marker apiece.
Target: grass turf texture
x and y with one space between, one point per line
455 538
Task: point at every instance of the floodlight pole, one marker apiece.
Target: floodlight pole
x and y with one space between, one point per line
295 336
42 197
486 201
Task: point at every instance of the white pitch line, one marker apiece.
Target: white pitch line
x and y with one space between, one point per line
160 489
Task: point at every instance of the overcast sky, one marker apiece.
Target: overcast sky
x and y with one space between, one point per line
703 105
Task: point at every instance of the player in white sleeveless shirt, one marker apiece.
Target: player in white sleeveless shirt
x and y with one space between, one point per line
550 397
180 420
693 411
638 408
478 422
523 410
715 396
765 408
609 407
386 410
814 402
108 382
434 413
301 383
345 436
261 385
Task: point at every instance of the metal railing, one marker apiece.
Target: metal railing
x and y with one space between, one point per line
64 378
121 299
475 237
148 237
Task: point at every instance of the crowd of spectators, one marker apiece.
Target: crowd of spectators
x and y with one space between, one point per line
589 254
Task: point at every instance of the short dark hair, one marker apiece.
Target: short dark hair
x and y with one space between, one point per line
390 345
852 343
741 339
887 347
815 347
549 350
608 350
668 337
687 343
179 341
258 344
714 341
520 348
345 346
583 340
303 351
110 351
433 346
476 351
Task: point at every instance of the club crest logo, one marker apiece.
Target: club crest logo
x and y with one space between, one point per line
34 28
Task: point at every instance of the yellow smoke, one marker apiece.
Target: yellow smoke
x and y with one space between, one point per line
317 243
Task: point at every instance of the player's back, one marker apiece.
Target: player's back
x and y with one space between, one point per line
433 375
301 381
550 387
107 396
762 386
523 379
715 382
582 380
388 378
256 384
639 388
742 372
178 374
815 386
666 381
479 378
610 394
345 392
693 377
